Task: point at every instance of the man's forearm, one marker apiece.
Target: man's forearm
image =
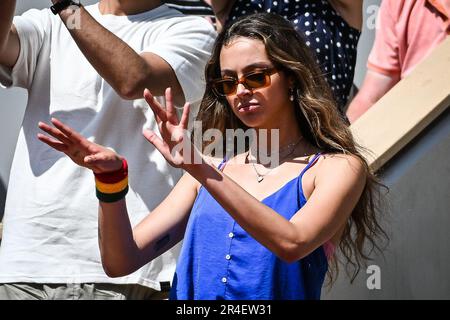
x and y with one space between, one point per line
7 8
113 59
358 107
375 86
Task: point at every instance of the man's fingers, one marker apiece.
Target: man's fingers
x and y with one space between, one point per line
159 112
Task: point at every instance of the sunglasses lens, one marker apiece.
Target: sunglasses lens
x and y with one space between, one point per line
228 86
225 86
256 80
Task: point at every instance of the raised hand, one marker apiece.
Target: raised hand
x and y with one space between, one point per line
82 151
174 143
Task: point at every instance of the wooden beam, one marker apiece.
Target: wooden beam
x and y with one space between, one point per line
406 109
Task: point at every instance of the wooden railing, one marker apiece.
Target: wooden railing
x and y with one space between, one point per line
405 110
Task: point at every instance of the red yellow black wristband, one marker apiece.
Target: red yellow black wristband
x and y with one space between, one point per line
112 186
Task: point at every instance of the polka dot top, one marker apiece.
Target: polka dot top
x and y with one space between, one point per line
329 36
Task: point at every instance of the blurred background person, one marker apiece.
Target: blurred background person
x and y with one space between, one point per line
330 28
92 74
407 32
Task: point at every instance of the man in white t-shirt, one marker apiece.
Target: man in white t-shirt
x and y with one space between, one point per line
88 66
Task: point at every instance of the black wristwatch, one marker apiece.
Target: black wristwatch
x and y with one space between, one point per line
63 4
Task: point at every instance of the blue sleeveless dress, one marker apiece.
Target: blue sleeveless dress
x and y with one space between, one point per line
220 260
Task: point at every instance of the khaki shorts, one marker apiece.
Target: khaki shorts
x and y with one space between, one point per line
83 291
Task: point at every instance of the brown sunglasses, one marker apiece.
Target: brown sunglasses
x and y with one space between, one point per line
253 80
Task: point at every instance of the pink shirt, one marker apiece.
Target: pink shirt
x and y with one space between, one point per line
407 32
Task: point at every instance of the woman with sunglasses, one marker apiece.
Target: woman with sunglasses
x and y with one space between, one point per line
250 232
331 29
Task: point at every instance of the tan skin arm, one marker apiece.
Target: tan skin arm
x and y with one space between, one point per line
340 182
124 249
375 86
338 187
9 40
124 69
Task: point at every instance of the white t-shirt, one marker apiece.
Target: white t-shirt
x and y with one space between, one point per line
50 221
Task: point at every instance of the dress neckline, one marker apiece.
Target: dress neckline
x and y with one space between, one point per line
285 185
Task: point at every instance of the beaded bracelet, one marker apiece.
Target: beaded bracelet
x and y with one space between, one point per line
112 186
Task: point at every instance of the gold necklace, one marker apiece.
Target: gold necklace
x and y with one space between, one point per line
260 177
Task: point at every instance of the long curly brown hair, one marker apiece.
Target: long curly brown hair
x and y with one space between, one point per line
318 119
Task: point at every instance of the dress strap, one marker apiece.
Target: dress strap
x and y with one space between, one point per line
300 177
310 164
222 165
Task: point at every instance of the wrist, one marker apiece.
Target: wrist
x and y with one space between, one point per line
65 8
193 160
69 12
193 168
112 186
201 171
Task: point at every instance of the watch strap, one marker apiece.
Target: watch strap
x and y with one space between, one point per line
61 5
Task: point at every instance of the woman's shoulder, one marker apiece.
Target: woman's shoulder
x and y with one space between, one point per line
340 164
339 174
341 159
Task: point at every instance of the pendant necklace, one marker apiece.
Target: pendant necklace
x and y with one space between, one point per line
260 177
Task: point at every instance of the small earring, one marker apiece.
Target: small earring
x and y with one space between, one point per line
291 94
